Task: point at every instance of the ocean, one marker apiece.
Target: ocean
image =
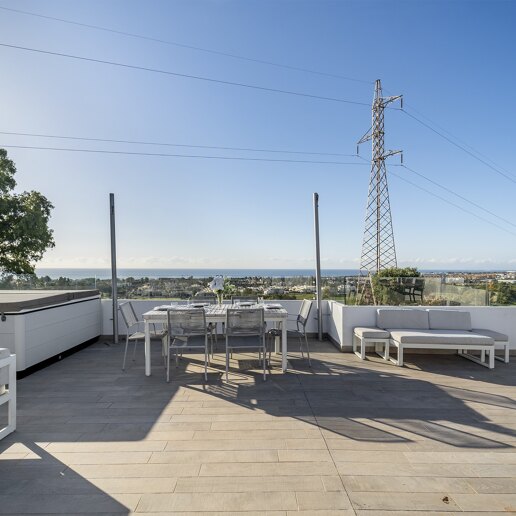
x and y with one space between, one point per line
196 273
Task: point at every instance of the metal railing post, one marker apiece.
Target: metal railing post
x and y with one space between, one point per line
318 267
114 291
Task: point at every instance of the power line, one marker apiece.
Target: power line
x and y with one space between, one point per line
449 190
190 47
458 139
165 144
160 154
183 75
495 169
453 204
448 201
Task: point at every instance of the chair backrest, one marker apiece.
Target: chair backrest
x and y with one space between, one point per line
245 321
205 298
186 321
304 312
128 314
244 299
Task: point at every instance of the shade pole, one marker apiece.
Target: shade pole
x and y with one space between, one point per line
318 267
114 291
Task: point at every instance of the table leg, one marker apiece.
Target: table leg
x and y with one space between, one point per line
147 349
284 345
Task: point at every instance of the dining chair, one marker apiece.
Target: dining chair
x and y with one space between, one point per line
245 329
300 331
235 300
133 331
204 297
208 299
186 329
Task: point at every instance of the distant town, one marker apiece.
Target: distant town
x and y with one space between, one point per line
434 288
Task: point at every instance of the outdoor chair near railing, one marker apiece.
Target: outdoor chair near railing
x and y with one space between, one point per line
299 332
245 330
186 329
8 395
133 329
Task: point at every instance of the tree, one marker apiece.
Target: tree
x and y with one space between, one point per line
24 231
390 285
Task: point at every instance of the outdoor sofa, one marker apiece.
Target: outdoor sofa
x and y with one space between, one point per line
429 329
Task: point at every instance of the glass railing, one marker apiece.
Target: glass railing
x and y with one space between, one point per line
419 291
428 290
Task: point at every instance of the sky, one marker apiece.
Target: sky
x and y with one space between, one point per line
453 61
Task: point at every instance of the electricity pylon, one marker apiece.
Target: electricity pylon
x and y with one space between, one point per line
378 248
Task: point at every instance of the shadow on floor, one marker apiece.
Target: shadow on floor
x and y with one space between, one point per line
86 398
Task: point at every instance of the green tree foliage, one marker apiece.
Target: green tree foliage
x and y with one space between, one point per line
505 294
399 272
24 231
390 285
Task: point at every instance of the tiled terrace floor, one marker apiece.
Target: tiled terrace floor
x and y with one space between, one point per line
346 437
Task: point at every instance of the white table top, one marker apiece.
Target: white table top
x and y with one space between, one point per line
217 312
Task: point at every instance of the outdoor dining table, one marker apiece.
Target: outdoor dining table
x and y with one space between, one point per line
274 314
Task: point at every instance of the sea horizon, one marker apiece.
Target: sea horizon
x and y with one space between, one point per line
153 273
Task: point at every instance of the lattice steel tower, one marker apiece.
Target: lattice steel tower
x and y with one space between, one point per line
378 249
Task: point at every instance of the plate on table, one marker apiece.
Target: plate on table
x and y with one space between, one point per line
272 306
162 308
246 303
198 305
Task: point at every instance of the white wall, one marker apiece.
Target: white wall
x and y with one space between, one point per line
345 318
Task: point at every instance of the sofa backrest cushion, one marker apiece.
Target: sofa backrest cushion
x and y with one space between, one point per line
402 319
449 320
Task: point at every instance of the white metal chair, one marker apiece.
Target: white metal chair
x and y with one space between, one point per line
8 377
300 332
132 323
245 329
186 329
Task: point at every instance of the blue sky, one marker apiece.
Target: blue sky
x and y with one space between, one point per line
452 60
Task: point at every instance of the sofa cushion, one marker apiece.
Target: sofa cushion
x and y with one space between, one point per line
449 320
451 337
371 333
402 318
496 336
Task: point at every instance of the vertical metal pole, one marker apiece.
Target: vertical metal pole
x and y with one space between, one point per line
114 292
318 267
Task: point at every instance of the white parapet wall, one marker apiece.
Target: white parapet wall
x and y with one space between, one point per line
342 319
143 305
